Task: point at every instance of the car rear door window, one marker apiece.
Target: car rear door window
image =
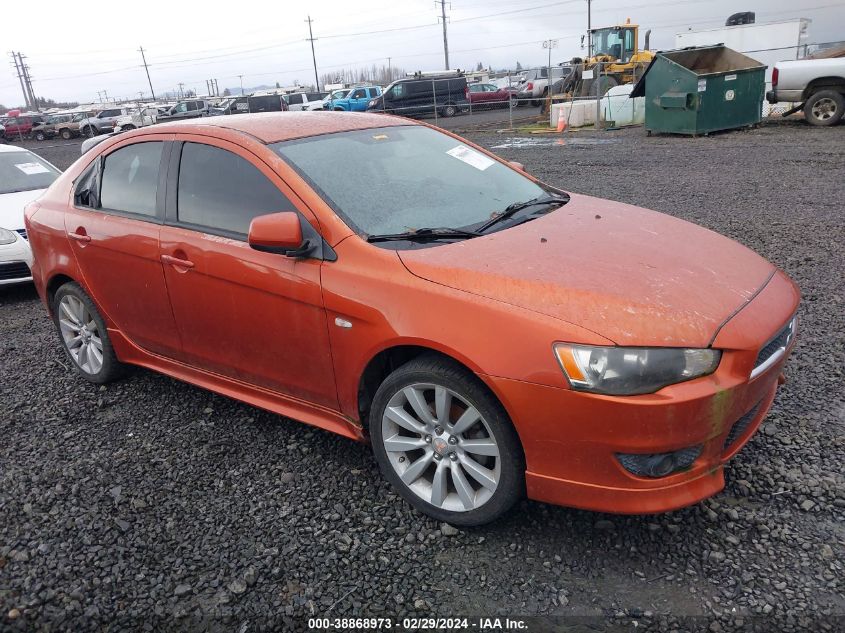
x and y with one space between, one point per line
130 179
222 192
295 98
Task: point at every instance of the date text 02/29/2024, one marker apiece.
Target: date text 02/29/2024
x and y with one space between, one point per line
418 624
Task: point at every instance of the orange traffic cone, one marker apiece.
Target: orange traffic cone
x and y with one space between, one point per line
561 122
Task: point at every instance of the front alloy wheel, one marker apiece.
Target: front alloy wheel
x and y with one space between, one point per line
445 443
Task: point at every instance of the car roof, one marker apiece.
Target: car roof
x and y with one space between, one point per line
271 127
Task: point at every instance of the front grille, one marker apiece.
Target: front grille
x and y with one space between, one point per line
740 427
22 233
780 340
14 270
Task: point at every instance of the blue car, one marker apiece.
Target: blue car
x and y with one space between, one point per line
357 99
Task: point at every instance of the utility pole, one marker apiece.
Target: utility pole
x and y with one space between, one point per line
241 77
27 82
20 78
216 88
389 71
589 34
106 95
313 55
442 4
146 68
181 92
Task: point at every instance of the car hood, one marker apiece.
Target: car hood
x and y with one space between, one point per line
634 276
11 207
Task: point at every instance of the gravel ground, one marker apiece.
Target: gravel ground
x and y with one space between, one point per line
153 504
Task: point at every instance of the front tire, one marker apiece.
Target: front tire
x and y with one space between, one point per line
445 443
824 108
84 336
66 134
449 111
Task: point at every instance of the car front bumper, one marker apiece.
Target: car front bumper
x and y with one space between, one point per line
15 262
572 440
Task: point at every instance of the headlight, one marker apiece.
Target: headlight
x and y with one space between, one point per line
7 236
626 371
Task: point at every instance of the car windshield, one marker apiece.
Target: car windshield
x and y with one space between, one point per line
24 171
406 177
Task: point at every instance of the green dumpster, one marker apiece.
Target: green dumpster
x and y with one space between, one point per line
701 90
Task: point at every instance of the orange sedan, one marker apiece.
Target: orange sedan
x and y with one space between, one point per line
490 335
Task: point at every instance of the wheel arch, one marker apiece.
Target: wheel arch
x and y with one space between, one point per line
56 281
824 83
388 359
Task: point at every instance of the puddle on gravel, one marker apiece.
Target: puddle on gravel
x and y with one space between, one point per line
521 142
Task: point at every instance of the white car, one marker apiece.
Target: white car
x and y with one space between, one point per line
23 177
326 103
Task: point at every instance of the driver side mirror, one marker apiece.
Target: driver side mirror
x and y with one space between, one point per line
278 233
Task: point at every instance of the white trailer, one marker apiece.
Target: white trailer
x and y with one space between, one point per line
767 42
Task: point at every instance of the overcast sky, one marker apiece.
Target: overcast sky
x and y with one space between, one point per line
72 58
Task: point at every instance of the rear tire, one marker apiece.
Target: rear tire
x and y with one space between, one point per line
453 454
449 111
83 334
40 136
66 134
824 108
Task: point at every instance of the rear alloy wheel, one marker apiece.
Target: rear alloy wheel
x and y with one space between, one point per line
40 136
445 443
450 111
824 108
84 335
66 134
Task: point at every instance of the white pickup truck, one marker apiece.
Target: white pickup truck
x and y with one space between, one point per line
818 85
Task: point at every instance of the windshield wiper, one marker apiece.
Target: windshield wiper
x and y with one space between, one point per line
514 208
425 234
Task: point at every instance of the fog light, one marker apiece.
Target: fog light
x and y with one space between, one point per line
659 464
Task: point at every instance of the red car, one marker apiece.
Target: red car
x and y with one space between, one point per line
490 335
20 125
480 95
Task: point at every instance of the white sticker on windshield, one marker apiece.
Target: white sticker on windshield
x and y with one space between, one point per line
471 157
32 168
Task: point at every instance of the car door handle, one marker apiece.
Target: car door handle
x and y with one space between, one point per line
177 262
79 237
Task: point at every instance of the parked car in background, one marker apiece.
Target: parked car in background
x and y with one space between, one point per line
2 132
534 87
250 103
188 109
102 122
817 84
356 100
368 295
300 100
70 129
23 177
421 95
328 100
488 95
137 117
65 125
19 126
